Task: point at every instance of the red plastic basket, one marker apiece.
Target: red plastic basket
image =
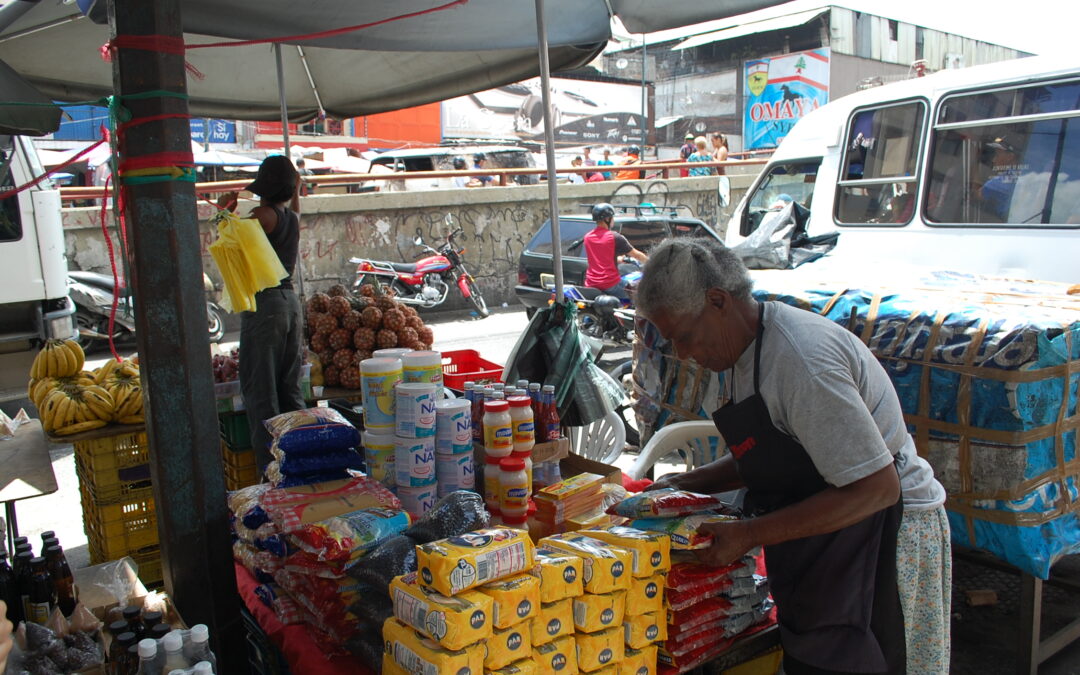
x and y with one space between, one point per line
465 365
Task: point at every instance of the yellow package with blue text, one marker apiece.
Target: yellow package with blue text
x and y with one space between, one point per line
599 650
508 645
593 612
606 567
645 595
652 550
555 620
644 629
561 574
558 657
418 654
638 661
453 621
459 563
515 599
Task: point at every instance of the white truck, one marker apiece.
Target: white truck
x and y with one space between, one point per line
34 303
975 170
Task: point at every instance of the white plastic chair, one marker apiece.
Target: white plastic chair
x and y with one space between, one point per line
603 440
695 439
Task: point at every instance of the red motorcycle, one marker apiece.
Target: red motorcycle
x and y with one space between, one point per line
427 281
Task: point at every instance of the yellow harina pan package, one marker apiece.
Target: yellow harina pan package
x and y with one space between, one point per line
606 567
645 629
560 574
555 620
453 622
418 654
515 599
652 550
459 563
636 662
599 650
594 612
645 595
525 666
558 657
506 646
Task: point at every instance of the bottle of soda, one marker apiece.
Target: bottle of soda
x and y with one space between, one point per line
62 579
549 416
41 592
9 591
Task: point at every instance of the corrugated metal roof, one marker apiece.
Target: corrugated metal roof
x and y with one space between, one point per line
775 23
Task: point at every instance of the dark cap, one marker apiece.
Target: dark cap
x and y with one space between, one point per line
276 180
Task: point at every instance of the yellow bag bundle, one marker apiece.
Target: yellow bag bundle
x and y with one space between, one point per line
246 260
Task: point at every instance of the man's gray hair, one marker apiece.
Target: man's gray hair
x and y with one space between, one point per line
680 271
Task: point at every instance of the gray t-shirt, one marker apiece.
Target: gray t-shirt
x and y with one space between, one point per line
826 389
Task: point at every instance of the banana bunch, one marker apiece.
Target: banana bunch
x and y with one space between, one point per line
71 410
58 358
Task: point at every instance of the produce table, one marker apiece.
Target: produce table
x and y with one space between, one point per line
25 472
294 641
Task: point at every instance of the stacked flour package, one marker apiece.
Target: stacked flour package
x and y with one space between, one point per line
415 442
489 602
707 607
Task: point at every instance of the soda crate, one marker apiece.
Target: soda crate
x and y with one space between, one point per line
235 430
114 530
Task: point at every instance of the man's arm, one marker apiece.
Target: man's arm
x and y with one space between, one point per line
832 509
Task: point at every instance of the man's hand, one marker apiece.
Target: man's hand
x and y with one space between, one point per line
730 541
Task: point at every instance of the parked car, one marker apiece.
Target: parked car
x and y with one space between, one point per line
644 227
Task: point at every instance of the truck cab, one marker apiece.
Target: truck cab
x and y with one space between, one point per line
34 303
975 170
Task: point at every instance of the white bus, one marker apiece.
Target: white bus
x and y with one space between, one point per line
975 170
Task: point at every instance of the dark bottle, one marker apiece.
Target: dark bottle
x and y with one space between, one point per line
62 580
160 630
118 653
9 591
41 592
133 615
22 581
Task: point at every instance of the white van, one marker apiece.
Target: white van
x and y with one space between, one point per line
973 170
34 303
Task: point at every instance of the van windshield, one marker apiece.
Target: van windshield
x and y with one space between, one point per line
782 184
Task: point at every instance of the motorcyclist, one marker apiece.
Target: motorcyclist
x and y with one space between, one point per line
603 248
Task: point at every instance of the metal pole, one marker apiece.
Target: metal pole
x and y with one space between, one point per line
283 102
166 272
549 142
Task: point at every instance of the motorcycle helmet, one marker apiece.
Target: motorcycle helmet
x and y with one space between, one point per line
602 211
460 164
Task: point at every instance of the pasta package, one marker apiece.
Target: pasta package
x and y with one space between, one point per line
509 645
525 666
645 595
637 661
652 550
454 622
515 599
459 563
417 654
599 612
644 629
555 620
683 531
606 567
560 574
558 657
599 650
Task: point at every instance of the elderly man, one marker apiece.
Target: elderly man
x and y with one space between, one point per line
838 497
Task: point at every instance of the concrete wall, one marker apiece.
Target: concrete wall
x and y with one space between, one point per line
497 223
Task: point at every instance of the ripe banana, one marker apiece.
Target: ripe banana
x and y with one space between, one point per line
80 427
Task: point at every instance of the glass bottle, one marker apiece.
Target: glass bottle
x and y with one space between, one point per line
62 579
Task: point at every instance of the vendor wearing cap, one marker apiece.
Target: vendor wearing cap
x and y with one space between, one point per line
271 336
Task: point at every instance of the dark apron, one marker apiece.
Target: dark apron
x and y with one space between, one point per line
836 594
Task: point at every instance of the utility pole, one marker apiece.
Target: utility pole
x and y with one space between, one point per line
174 350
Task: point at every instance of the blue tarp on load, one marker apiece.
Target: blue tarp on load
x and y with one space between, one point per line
988 374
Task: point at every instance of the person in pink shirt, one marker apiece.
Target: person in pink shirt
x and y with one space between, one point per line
603 247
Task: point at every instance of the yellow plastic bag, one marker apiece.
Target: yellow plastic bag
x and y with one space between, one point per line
246 260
